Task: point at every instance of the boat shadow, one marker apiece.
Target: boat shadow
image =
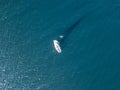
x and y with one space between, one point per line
62 38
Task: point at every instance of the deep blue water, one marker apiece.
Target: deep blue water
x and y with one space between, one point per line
90 58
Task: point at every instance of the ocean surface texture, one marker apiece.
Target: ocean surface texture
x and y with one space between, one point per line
90 58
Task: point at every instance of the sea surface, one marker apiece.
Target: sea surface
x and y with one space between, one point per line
90 58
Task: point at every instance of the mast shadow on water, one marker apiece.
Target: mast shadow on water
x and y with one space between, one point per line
61 39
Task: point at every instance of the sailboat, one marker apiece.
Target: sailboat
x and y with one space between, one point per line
57 46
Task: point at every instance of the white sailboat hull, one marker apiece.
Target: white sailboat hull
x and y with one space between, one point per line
57 46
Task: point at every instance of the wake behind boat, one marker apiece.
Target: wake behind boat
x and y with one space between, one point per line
57 46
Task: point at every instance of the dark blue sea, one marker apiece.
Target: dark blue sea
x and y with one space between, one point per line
90 58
